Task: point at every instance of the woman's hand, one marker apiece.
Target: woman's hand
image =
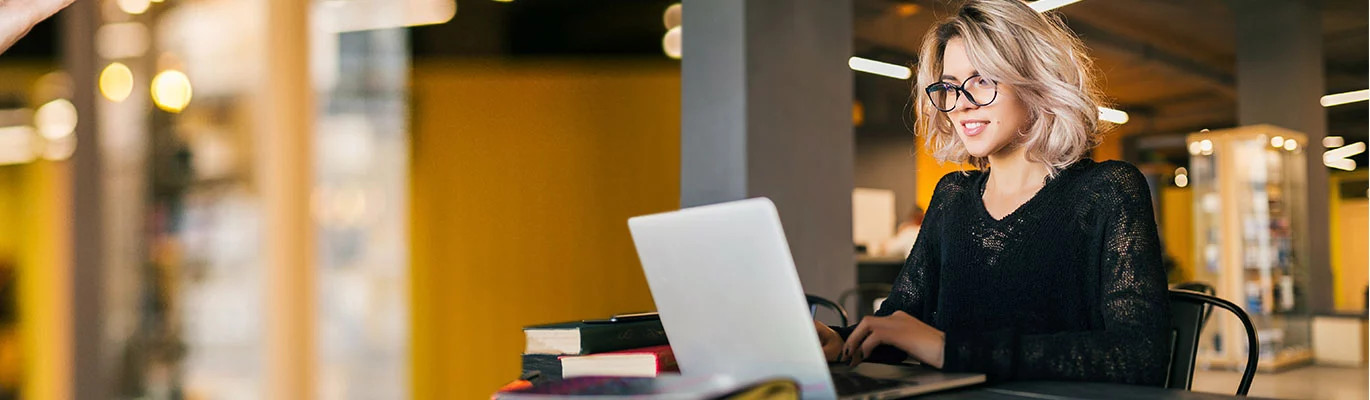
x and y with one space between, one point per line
18 16
921 341
830 340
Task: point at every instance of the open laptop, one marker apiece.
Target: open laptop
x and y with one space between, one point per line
730 299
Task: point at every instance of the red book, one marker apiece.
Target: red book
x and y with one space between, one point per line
641 362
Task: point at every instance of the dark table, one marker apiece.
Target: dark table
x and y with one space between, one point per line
1072 391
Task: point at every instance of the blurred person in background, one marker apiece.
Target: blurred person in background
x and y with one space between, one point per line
17 17
904 235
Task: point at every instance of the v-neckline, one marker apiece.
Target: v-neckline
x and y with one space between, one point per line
1048 183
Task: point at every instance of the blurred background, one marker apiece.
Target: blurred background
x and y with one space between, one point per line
367 199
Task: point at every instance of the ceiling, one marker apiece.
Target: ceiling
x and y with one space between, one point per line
1170 63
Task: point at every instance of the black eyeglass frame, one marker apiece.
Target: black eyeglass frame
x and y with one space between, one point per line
960 90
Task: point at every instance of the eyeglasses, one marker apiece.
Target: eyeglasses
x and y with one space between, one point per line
944 95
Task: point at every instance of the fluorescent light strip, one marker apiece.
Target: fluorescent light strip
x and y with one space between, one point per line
1114 116
1333 142
1344 98
1344 164
879 68
1344 151
1048 5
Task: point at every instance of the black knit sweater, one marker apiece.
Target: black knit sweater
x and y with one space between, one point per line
1069 286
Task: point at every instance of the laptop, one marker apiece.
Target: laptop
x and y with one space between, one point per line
729 297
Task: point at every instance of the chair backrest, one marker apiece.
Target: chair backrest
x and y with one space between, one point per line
1195 286
815 302
865 294
1187 314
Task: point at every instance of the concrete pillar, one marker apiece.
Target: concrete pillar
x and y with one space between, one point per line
1279 82
89 379
766 98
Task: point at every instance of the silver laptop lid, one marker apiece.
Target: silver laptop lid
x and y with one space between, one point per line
729 297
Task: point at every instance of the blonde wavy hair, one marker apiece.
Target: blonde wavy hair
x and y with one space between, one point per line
1039 57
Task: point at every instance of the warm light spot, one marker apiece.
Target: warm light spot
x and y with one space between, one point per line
672 16
56 119
171 90
907 10
671 43
116 82
135 7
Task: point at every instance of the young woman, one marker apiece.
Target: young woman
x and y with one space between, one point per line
1040 264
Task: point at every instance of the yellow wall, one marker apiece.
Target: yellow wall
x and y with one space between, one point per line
33 203
1177 230
45 281
35 238
524 176
1350 258
1111 148
927 172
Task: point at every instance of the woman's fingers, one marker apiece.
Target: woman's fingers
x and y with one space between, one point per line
854 340
867 327
875 339
866 347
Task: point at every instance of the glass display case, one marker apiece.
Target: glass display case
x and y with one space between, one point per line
1250 242
189 287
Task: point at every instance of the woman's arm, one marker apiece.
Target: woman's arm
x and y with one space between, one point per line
1133 346
916 283
18 16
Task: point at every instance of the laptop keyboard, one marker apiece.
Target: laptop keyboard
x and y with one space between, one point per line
849 384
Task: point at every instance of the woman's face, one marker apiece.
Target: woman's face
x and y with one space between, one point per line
989 129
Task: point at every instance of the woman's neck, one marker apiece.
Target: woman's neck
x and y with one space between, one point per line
1012 172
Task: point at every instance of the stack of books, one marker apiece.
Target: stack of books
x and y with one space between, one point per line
619 347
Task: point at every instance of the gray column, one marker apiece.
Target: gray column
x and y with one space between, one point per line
766 98
1279 82
89 380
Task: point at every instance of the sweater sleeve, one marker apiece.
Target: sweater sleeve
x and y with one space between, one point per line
1130 344
915 285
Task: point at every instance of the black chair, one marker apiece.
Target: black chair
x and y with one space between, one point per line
815 302
1196 286
865 294
1187 314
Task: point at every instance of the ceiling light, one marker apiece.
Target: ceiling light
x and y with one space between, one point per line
1047 5
1337 158
1344 98
1344 164
1115 116
879 68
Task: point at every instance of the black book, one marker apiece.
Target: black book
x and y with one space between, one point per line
590 337
547 365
